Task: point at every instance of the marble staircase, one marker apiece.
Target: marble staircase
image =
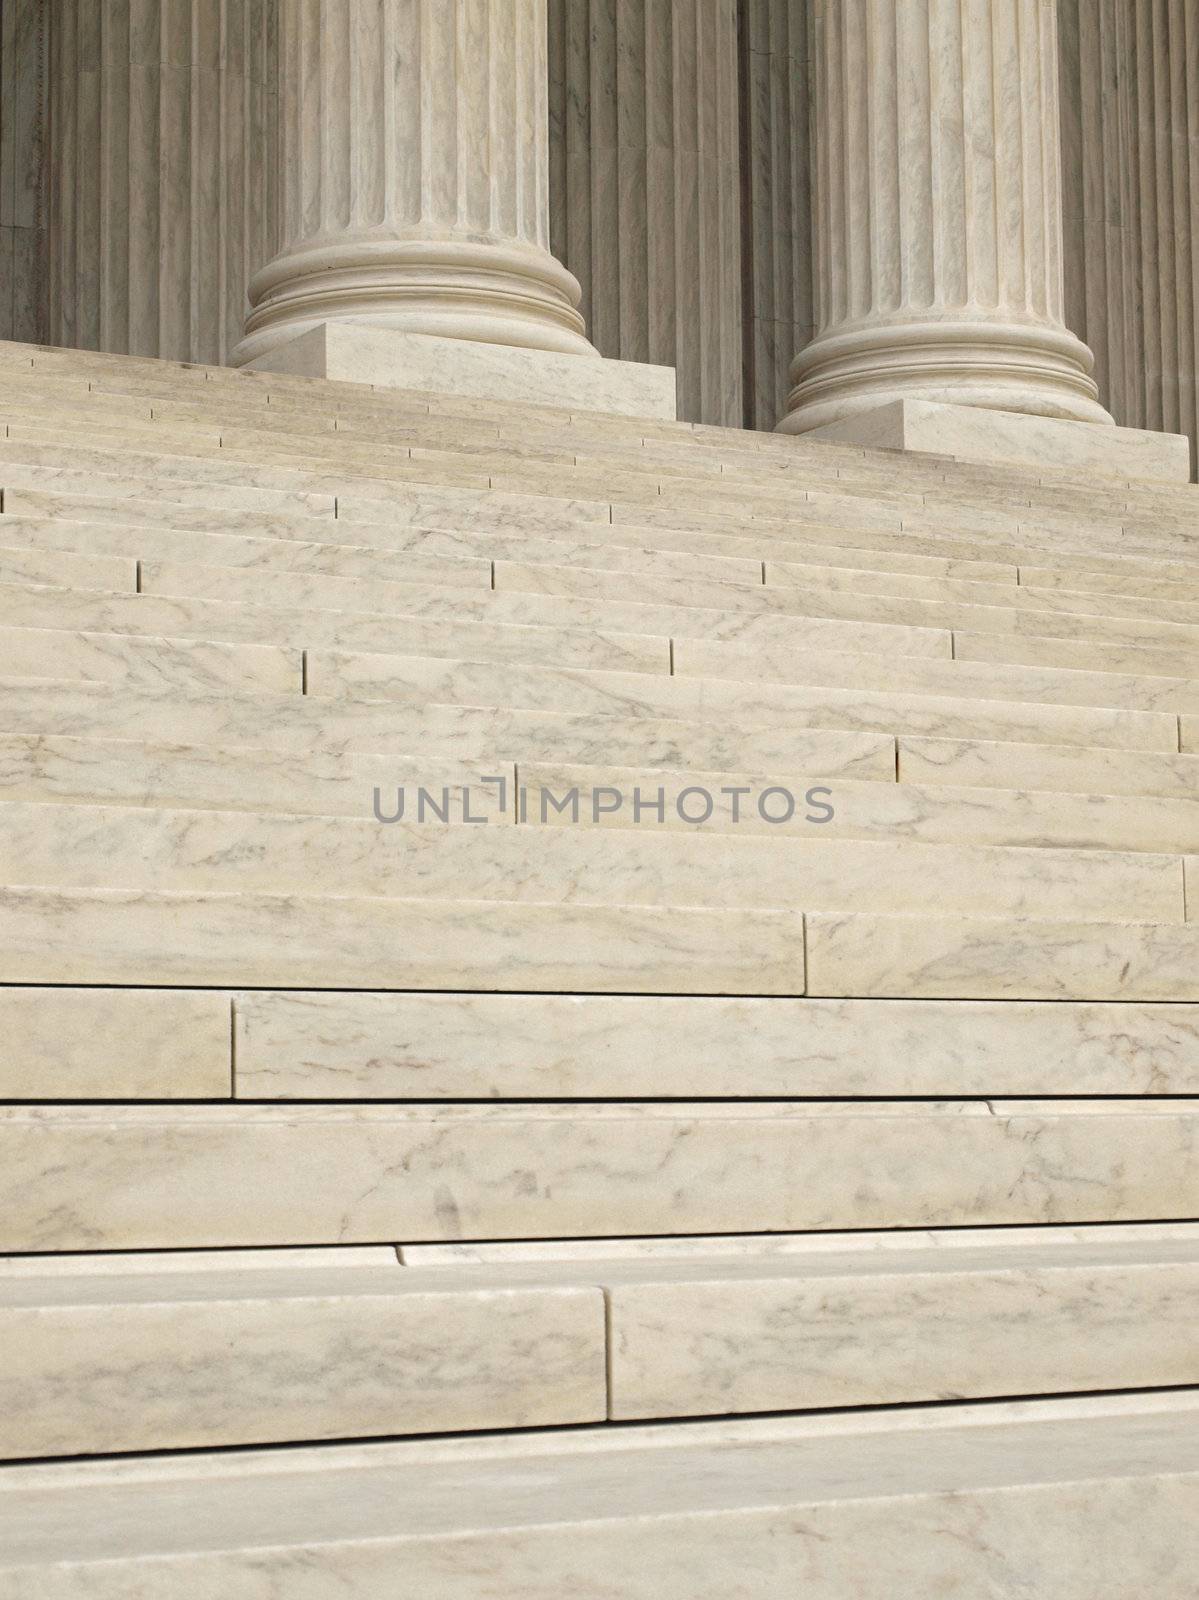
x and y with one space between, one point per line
586 1196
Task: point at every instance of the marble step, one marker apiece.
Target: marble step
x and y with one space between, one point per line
111 1044
1094 1494
181 617
706 658
1076 655
47 769
849 606
776 1324
64 568
484 511
300 725
232 1353
289 585
751 803
228 940
1188 734
241 778
333 675
795 633
309 1046
735 557
139 849
985 764
139 1177
149 662
209 1353
964 958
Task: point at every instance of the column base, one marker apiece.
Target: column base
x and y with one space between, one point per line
974 433
362 352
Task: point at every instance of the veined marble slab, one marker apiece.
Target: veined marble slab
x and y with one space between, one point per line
148 661
334 673
960 678
309 1046
42 768
1070 1498
1077 655
179 617
51 566
113 1044
141 849
968 958
140 1177
928 814
299 724
392 357
244 1355
987 764
976 434
232 940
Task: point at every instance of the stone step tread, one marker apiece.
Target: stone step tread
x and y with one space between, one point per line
46 608
305 1046
72 846
103 496
851 605
1093 1494
385 1349
975 764
225 940
294 725
333 675
984 958
173 1177
565 1341
150 661
47 768
136 615
78 1044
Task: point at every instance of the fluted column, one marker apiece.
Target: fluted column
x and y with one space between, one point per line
161 179
1130 115
414 165
938 221
646 192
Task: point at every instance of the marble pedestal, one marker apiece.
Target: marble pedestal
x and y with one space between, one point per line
976 433
362 352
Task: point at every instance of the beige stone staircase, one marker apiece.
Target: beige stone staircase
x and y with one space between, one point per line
620 1207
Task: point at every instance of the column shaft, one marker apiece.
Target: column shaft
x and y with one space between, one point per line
414 159
938 213
162 198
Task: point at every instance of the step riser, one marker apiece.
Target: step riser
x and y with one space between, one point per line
77 1180
191 851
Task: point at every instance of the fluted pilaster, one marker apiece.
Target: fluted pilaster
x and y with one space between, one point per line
646 186
22 168
414 159
938 213
1130 82
162 179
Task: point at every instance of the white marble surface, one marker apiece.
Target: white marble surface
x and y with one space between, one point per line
480 1047
964 958
225 939
109 1044
200 1177
148 662
390 357
1069 1499
152 850
975 433
243 1355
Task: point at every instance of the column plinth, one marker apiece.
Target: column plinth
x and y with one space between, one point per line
938 215
414 176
